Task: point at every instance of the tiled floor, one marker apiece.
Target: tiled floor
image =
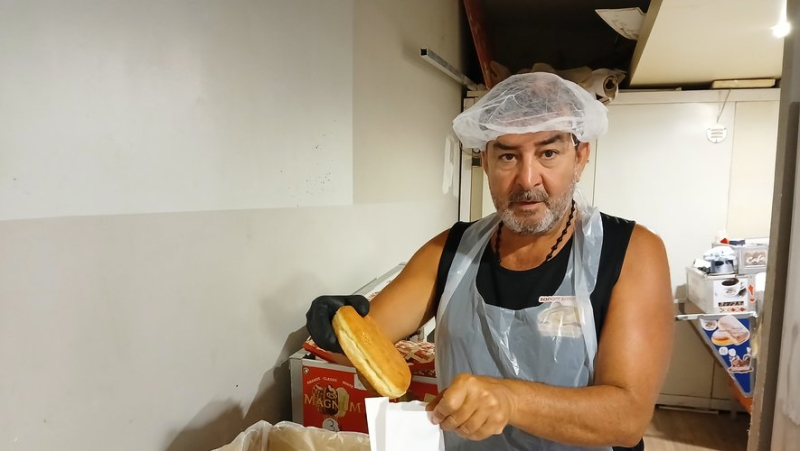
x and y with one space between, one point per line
673 430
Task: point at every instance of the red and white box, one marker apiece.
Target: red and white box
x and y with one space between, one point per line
330 396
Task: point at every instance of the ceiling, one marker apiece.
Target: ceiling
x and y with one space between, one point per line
686 42
683 43
562 33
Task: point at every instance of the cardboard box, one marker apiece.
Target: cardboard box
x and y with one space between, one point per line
330 396
721 294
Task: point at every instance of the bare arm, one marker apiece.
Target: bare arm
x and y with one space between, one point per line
407 302
630 367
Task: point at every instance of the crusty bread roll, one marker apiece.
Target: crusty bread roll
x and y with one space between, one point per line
371 353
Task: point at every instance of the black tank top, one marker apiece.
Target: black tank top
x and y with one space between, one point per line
517 290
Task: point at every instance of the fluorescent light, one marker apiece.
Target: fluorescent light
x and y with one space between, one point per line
781 29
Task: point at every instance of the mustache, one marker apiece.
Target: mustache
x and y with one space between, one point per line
528 196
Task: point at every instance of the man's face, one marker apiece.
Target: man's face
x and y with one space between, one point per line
532 178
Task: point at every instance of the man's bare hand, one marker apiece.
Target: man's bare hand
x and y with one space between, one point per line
475 407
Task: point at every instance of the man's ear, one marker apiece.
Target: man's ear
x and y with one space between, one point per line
582 154
485 158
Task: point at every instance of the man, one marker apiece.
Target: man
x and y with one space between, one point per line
554 322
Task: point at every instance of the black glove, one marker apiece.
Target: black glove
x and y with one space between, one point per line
320 316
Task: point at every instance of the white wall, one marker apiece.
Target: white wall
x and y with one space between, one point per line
657 167
166 325
755 139
690 188
161 106
393 142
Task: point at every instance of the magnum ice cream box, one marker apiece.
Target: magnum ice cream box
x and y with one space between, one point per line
331 396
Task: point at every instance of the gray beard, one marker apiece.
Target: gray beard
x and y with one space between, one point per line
555 210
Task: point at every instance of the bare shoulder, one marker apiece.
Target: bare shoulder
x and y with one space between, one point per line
644 247
438 242
645 240
645 260
431 252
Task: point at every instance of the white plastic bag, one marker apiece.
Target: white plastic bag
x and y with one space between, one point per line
288 436
253 438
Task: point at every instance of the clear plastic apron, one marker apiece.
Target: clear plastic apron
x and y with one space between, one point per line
554 343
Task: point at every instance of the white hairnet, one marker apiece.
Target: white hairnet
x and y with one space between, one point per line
530 103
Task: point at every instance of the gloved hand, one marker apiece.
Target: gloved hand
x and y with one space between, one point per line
320 315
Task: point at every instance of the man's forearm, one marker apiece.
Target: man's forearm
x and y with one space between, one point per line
599 415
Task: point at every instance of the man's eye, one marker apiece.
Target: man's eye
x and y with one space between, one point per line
507 157
549 154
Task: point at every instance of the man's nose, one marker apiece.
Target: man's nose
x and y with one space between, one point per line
530 174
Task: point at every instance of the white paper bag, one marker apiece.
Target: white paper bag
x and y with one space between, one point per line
401 426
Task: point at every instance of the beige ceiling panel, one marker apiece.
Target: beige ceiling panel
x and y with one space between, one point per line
693 42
